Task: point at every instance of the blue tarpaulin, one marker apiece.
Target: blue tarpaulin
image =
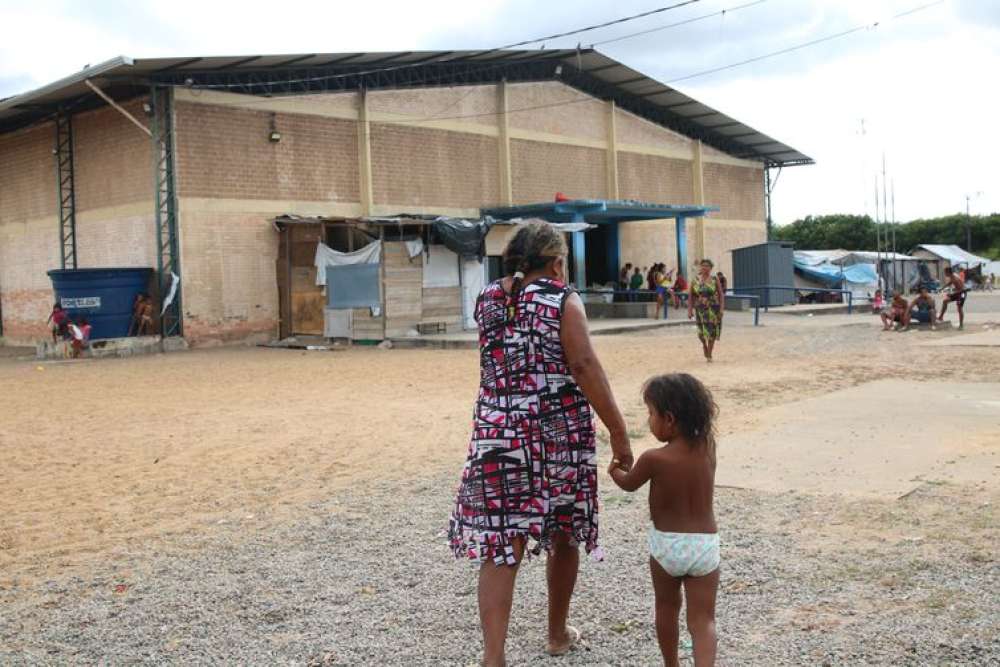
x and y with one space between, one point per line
833 276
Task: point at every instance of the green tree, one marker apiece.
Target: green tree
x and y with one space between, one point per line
857 232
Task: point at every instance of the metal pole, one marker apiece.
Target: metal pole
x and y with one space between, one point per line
767 199
968 226
885 216
893 202
878 239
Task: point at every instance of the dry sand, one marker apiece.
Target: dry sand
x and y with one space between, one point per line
143 455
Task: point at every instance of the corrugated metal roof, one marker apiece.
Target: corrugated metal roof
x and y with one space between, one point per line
954 254
587 70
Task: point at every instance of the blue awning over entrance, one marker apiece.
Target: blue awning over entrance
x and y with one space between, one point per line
605 212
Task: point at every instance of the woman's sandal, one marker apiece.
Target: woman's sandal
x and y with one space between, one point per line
574 639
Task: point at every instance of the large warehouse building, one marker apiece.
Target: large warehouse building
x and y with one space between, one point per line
184 164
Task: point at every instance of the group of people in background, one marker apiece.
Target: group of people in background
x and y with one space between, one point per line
899 312
704 295
64 328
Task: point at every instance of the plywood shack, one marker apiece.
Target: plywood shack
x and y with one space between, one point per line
418 293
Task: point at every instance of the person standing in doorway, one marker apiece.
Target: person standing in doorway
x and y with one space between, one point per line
705 303
530 478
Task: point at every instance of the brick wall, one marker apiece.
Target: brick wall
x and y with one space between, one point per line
230 287
721 236
555 108
113 160
539 170
646 242
636 131
114 223
225 152
738 191
655 179
423 167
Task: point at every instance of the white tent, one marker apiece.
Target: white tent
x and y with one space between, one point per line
953 255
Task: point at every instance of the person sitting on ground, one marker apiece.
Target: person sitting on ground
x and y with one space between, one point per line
146 318
58 323
956 296
922 308
898 312
878 303
133 325
684 537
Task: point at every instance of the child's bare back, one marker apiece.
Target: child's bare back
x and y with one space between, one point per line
681 489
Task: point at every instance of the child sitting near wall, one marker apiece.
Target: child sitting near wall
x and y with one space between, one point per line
684 538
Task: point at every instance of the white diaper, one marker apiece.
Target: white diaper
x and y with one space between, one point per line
685 554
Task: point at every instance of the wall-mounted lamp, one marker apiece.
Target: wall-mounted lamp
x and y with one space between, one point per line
147 109
274 136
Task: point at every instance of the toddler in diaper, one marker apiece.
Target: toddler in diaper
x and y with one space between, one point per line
683 538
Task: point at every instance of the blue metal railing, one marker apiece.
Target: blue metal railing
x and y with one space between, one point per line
751 297
682 297
767 293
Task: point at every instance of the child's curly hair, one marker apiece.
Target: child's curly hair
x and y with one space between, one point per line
689 401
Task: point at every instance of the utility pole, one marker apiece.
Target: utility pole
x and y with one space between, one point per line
968 225
892 190
878 239
885 215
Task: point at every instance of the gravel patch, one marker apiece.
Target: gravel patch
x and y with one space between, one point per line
366 578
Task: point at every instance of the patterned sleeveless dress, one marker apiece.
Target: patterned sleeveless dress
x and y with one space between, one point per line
531 468
707 308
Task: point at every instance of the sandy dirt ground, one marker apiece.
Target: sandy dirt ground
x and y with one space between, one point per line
101 456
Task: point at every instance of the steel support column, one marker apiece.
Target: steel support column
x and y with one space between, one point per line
67 192
167 246
579 251
680 227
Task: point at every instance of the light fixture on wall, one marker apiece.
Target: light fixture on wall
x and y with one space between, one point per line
274 136
147 109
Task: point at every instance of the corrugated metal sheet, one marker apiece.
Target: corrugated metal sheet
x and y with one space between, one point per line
765 264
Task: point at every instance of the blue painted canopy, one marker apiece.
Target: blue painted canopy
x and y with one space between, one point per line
599 211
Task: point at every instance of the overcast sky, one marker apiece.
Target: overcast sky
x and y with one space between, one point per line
923 87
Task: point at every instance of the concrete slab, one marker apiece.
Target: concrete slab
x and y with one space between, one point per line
883 439
983 339
112 347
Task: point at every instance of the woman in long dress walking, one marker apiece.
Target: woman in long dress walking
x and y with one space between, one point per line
530 478
705 304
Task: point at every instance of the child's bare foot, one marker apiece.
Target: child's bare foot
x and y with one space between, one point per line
562 645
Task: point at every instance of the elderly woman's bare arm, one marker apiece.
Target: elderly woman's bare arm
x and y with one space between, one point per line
589 375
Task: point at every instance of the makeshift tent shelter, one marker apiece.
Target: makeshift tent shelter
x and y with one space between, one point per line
378 277
949 256
827 269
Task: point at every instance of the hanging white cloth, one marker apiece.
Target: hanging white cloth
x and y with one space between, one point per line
414 247
175 281
327 256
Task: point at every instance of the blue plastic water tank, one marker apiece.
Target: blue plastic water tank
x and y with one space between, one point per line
104 296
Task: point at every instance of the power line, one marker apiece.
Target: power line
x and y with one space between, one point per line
695 19
604 25
690 76
797 47
393 68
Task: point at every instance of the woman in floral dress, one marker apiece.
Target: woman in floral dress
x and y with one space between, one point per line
530 478
705 304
